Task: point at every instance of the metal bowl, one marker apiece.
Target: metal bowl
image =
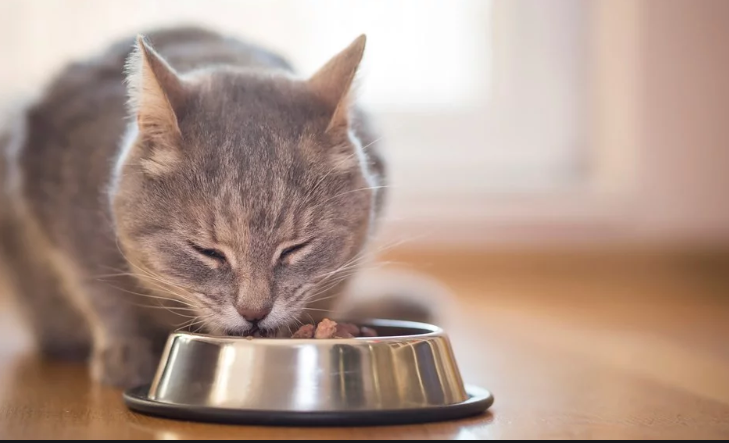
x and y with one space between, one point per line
407 374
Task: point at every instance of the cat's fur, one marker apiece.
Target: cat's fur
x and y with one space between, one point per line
180 166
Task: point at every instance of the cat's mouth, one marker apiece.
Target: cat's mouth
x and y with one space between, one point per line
255 332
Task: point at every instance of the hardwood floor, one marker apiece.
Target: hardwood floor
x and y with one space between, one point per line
580 346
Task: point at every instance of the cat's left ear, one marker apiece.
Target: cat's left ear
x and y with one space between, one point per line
156 93
332 83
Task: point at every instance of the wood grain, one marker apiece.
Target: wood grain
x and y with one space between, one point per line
581 346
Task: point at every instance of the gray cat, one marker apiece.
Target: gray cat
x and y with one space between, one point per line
185 175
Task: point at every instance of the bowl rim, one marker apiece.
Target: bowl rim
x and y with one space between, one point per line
432 331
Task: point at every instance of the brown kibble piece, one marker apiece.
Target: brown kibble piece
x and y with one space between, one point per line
306 331
344 329
326 329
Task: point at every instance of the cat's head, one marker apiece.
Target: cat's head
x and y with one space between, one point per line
242 192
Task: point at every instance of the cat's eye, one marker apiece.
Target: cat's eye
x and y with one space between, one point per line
210 253
288 252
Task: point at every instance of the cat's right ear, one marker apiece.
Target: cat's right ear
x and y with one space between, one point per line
155 93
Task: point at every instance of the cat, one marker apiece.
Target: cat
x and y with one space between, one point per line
184 174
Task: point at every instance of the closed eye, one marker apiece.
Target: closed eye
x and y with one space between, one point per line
288 253
209 253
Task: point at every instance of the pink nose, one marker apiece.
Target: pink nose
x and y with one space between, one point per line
254 315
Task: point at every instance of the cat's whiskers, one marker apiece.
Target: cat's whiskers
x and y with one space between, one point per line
199 319
158 286
359 258
314 188
174 309
311 319
318 183
372 142
350 266
184 324
332 283
165 290
331 279
328 311
369 188
147 272
341 273
201 326
351 262
156 298
167 285
184 301
319 300
162 291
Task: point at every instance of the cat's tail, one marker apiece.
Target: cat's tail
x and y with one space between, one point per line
395 294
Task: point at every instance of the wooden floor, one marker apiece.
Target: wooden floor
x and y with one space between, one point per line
619 346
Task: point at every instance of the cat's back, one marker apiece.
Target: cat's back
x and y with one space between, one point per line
73 132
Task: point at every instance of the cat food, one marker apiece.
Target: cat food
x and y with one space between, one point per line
306 331
328 329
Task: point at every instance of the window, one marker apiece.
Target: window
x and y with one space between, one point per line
476 99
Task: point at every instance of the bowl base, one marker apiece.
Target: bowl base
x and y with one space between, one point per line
479 401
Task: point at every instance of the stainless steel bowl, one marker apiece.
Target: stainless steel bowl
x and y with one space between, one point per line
407 374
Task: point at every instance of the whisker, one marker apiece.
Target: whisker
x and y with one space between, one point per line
154 297
351 262
372 143
168 291
323 299
195 321
369 188
146 271
311 319
159 287
318 310
331 284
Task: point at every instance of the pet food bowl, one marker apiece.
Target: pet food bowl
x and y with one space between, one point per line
406 375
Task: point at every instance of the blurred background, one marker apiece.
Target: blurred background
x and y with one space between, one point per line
506 122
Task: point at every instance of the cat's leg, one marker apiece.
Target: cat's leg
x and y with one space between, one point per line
75 314
127 342
125 354
58 328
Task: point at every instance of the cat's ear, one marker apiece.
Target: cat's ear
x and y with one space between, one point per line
332 83
155 92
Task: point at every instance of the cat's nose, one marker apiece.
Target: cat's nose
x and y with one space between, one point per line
254 315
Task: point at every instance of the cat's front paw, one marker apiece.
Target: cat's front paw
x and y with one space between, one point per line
124 364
